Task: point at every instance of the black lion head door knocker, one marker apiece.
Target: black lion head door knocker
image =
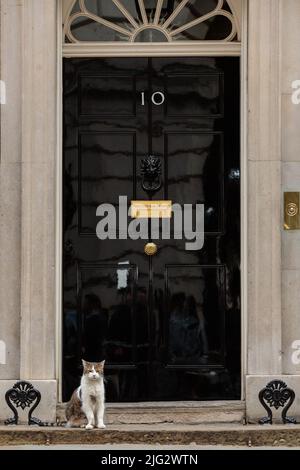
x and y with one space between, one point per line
151 174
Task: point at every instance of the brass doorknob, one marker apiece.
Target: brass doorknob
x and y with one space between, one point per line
150 249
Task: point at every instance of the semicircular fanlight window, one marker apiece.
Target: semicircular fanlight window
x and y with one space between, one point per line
150 21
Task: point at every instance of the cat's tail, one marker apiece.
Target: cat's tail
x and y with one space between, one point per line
45 424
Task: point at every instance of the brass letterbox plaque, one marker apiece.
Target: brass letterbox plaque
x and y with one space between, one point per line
151 209
292 211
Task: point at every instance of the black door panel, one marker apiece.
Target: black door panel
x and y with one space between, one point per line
168 325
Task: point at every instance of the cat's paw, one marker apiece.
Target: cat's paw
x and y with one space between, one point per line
101 426
89 426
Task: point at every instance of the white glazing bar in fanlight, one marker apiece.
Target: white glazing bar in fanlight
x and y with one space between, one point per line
203 18
143 11
126 13
83 6
99 20
175 13
220 5
158 11
68 32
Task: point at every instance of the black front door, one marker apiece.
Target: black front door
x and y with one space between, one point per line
168 325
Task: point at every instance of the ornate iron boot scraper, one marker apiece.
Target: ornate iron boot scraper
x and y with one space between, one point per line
23 395
277 395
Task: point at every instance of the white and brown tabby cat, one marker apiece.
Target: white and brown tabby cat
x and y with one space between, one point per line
86 407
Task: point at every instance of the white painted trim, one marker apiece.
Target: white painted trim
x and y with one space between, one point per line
237 8
65 7
244 197
235 5
59 206
166 26
184 48
157 49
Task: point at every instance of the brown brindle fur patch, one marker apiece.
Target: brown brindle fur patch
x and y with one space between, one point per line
74 414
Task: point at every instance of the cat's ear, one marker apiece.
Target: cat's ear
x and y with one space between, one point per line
102 364
84 363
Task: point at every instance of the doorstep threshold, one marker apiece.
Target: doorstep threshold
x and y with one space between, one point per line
181 413
177 404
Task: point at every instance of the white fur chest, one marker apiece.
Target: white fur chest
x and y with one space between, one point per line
92 389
